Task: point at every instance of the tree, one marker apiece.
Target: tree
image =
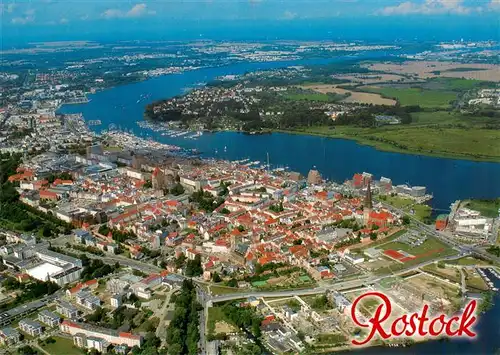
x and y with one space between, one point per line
216 278
183 333
27 350
46 231
232 283
193 267
104 230
179 262
177 190
406 220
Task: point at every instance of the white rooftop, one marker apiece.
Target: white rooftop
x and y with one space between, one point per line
42 271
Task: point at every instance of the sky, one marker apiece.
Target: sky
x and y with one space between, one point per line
75 19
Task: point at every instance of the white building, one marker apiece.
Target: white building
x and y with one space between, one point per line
32 327
112 336
49 318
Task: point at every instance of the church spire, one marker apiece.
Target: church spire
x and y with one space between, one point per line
368 198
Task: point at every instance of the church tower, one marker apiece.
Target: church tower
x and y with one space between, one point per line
368 204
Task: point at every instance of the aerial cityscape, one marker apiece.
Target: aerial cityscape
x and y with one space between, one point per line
256 177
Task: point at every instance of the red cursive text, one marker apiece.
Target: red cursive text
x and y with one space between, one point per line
413 324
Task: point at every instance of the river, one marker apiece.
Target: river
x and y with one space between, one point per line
336 159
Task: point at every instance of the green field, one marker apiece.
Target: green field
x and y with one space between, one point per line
309 97
430 244
415 96
456 84
447 273
488 208
475 144
468 261
216 314
476 282
432 133
379 242
62 346
420 211
399 202
331 339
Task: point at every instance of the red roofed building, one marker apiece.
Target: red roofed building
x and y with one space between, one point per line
92 284
62 182
191 253
23 277
48 195
112 336
322 195
381 219
37 185
299 251
441 222
396 255
358 181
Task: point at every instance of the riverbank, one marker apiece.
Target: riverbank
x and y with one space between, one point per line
380 140
363 137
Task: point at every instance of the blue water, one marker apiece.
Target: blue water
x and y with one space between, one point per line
336 159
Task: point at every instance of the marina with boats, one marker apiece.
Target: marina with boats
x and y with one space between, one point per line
488 281
169 130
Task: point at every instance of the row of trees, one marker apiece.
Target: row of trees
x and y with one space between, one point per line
348 242
183 333
117 235
96 268
365 116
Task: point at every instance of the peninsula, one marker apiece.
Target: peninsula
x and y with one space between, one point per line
392 107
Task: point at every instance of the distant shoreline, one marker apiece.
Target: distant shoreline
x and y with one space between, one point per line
380 146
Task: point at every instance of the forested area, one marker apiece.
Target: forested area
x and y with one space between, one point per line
183 333
28 291
14 215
